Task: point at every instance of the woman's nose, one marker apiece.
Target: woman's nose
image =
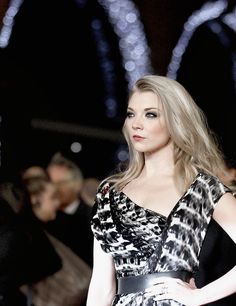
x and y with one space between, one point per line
137 124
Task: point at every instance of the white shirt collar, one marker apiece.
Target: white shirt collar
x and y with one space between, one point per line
71 208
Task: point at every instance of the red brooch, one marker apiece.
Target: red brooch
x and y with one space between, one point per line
105 190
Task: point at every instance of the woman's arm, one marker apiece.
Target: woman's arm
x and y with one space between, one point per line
225 216
102 286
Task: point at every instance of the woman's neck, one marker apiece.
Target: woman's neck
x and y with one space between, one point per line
159 163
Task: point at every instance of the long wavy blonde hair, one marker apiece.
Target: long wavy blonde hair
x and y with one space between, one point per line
195 146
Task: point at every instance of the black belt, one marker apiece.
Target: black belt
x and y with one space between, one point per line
131 284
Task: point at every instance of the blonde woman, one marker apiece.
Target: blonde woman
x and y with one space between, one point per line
150 220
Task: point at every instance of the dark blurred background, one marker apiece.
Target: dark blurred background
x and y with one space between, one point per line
66 67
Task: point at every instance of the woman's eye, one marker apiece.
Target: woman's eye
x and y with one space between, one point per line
129 115
151 115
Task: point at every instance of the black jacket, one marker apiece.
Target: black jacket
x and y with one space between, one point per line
74 230
26 255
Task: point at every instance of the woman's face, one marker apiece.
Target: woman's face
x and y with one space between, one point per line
145 123
68 188
48 204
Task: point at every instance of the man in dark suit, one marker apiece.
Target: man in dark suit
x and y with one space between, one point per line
72 224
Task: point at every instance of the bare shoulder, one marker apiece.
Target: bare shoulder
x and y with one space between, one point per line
227 203
225 214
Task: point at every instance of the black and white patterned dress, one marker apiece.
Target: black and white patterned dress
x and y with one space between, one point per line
142 241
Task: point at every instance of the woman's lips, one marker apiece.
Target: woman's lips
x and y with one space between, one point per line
138 138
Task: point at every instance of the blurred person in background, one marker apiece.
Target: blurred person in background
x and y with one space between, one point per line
13 248
69 285
89 189
39 205
41 197
27 255
72 224
34 171
229 177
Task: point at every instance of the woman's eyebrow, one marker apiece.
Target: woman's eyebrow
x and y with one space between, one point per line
149 108
146 109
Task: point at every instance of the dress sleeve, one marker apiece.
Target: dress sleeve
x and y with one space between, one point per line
101 213
215 190
218 189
